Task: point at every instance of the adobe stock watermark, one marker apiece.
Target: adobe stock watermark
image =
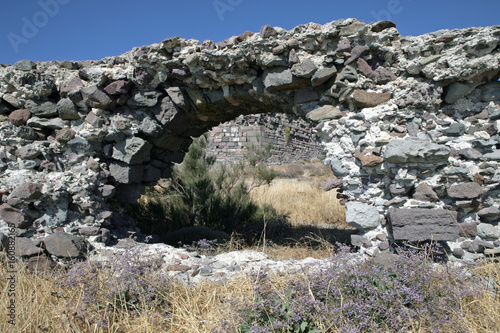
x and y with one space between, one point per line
394 7
223 6
32 25
11 275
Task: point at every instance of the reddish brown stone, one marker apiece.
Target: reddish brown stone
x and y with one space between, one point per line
65 134
368 159
364 99
424 192
178 268
478 178
40 264
70 86
26 191
243 36
118 87
467 229
92 164
89 231
19 117
332 183
365 69
15 216
280 49
384 75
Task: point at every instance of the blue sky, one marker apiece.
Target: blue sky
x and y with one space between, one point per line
92 29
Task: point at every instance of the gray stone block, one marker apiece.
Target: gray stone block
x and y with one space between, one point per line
362 216
132 151
469 190
415 151
126 174
487 231
423 224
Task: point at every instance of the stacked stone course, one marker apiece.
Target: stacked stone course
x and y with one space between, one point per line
293 139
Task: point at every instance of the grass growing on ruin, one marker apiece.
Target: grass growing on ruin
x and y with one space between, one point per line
132 295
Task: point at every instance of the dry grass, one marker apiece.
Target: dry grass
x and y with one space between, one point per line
314 170
197 308
302 201
489 303
39 308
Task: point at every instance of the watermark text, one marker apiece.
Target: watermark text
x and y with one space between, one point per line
223 6
32 25
393 8
11 275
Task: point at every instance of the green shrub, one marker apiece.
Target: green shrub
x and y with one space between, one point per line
202 193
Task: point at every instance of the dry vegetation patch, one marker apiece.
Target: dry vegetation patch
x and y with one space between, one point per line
302 201
413 296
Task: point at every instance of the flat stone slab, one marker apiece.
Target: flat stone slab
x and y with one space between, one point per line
415 151
415 224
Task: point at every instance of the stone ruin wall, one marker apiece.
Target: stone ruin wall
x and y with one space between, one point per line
292 138
409 126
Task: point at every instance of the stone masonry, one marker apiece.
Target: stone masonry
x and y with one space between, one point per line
409 126
292 138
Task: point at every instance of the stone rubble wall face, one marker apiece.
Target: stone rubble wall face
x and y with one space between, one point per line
405 123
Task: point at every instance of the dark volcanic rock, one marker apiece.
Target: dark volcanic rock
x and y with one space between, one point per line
118 87
14 216
96 97
382 25
267 31
423 224
66 245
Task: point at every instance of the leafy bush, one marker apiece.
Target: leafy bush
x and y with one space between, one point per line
202 193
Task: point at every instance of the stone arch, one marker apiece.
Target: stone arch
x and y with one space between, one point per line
82 132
